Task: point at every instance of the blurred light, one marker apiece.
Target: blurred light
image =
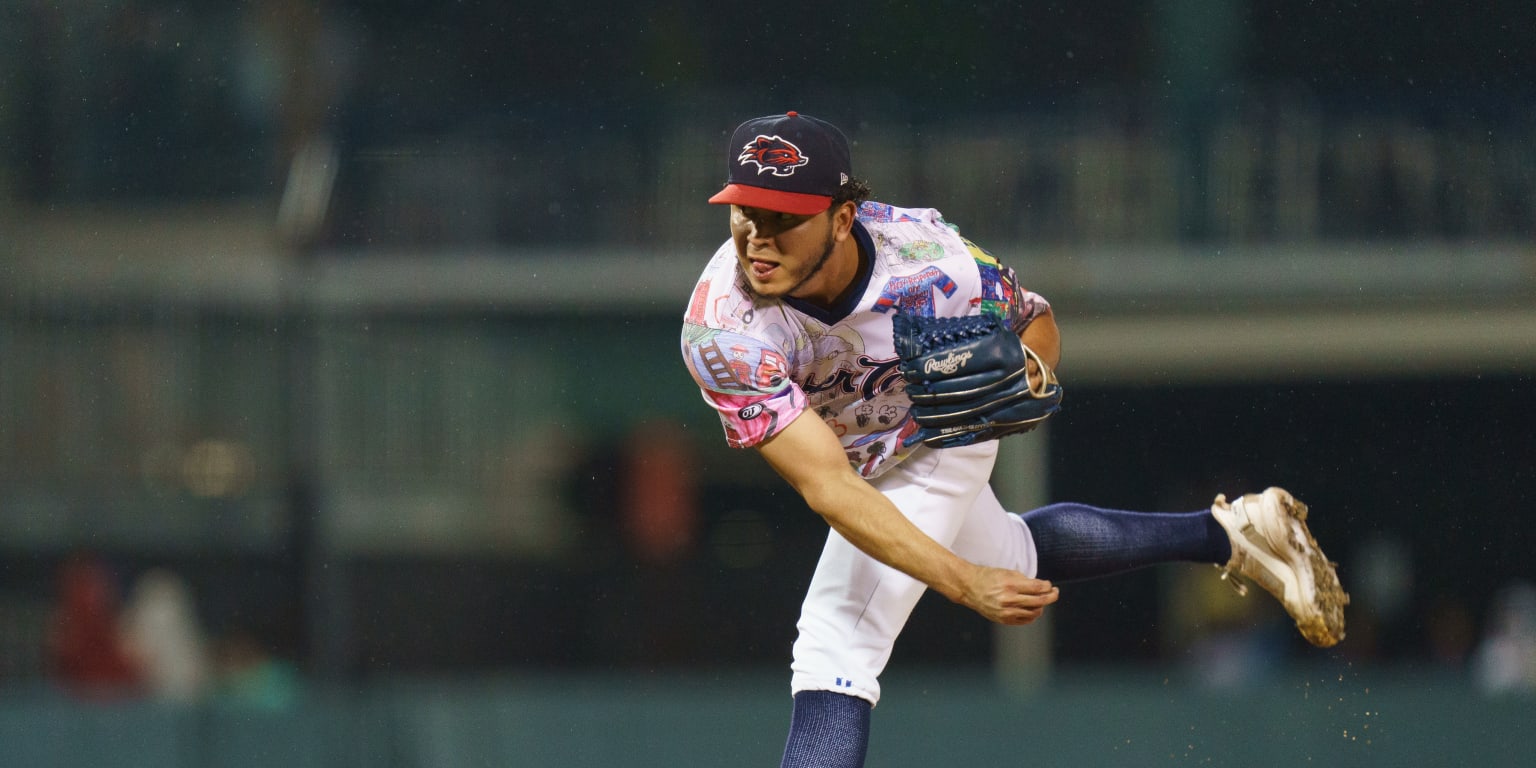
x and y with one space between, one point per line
307 193
217 468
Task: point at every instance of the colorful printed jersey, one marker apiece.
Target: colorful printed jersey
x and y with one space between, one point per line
761 362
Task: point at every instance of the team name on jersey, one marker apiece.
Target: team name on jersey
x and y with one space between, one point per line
872 377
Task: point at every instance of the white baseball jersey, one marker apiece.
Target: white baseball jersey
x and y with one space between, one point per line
761 362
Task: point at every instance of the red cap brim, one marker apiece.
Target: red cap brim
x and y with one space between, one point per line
796 203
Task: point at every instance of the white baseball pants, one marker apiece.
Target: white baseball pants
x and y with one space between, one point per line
856 606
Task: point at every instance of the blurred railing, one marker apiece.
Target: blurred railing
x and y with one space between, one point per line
1274 173
1274 168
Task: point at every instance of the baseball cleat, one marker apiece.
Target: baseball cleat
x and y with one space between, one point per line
1272 547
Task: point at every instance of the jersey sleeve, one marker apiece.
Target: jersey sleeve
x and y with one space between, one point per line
1025 306
745 380
1001 293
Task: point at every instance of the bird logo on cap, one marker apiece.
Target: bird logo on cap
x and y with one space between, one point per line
772 154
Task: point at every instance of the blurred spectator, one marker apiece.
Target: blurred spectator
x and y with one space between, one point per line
248 674
659 492
162 633
1505 661
86 650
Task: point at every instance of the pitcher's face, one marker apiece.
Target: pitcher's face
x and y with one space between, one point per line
782 254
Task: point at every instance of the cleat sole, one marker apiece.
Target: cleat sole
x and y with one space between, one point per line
1325 628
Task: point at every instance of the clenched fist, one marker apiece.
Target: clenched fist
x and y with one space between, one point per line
1007 597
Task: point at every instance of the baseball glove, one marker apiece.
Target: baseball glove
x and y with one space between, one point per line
968 380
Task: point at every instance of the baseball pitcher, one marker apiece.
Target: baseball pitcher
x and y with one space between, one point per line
873 356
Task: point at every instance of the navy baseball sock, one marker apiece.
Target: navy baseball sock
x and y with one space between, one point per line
1076 541
827 730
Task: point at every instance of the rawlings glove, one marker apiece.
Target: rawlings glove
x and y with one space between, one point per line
968 380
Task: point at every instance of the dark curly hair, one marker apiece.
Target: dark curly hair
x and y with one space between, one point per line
856 191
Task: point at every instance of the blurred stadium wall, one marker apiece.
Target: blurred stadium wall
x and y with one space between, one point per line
361 318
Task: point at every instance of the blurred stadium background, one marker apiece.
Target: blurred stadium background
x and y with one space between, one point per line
338 362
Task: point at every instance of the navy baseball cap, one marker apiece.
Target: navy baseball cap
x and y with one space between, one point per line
791 163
